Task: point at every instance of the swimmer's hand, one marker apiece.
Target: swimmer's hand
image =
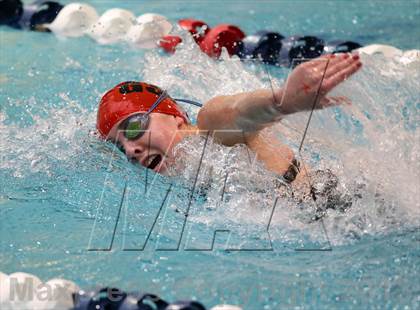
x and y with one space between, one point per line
309 83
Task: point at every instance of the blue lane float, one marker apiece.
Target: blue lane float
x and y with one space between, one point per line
10 12
113 298
340 46
28 16
272 48
295 48
263 45
37 14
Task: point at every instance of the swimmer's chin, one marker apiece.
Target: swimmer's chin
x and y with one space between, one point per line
162 169
164 166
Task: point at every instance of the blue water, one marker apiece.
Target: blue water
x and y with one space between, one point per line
61 188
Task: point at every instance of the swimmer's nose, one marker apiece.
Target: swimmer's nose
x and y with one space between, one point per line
133 151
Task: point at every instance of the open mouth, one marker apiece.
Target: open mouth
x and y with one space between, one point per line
153 161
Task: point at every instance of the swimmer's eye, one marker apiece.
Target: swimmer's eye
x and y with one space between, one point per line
135 126
120 147
133 129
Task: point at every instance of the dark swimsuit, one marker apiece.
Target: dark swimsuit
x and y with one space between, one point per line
290 175
324 189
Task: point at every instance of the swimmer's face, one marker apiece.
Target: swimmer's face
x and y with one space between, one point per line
153 149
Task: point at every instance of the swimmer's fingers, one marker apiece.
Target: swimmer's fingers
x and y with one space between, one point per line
341 100
344 62
339 58
311 73
338 76
325 66
327 102
323 62
328 65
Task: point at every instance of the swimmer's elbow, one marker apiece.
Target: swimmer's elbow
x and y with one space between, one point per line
216 114
202 119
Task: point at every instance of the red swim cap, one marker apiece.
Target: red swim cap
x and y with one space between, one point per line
132 97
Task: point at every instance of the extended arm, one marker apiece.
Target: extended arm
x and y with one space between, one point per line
252 111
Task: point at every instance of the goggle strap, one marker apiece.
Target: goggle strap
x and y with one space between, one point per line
157 102
197 104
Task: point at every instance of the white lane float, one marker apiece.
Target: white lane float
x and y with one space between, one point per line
74 20
55 294
3 289
387 50
21 291
156 19
415 54
17 291
147 31
226 307
112 26
409 58
115 25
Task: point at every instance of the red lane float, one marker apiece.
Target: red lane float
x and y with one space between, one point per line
197 28
210 41
169 43
223 35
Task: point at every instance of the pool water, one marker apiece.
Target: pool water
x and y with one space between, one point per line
71 206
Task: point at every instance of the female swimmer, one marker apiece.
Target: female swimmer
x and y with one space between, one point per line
146 123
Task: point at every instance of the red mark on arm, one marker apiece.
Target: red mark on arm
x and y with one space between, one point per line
306 88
